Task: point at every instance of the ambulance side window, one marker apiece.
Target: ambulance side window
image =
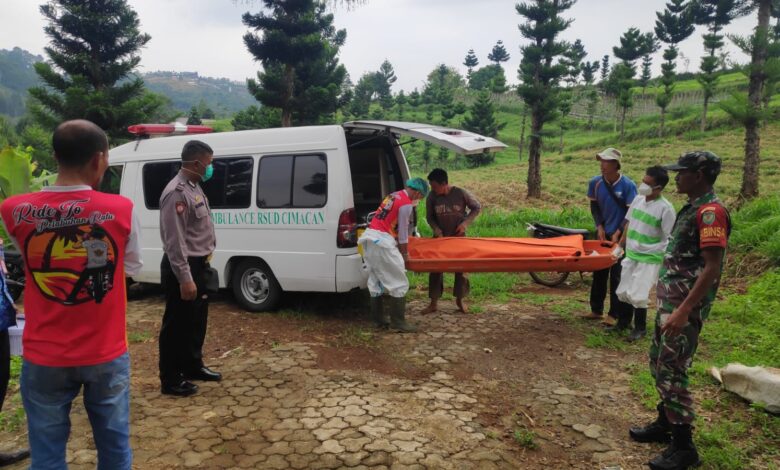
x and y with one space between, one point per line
155 178
231 185
112 179
292 181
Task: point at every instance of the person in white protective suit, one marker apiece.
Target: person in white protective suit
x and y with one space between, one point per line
385 252
650 221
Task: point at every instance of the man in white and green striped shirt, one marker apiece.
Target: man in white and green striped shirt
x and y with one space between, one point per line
649 221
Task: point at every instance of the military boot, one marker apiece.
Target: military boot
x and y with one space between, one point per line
681 455
658 431
398 316
377 313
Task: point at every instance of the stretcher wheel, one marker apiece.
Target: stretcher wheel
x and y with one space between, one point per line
550 279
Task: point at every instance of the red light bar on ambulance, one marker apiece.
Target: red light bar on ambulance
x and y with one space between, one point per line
142 130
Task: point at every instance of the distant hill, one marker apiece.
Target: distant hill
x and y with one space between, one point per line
187 89
16 76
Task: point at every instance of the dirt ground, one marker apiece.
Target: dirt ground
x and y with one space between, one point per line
511 387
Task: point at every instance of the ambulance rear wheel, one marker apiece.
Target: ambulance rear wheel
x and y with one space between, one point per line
255 287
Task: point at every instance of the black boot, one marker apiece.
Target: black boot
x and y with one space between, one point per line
640 325
377 313
13 457
681 454
398 316
658 431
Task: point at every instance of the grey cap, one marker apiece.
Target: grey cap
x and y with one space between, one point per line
609 154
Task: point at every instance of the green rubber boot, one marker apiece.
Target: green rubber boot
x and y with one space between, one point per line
397 316
377 314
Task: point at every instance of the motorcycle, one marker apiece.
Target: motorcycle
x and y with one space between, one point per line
540 230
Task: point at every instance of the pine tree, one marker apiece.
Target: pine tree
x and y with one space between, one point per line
482 120
572 60
414 98
470 62
589 70
715 15
94 49
441 85
298 48
385 78
499 53
362 95
401 100
672 26
540 74
633 45
194 116
749 109
604 69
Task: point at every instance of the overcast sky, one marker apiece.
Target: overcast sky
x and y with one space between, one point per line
414 35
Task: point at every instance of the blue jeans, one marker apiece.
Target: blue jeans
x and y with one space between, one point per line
47 394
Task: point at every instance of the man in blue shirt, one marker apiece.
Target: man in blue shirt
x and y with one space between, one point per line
610 194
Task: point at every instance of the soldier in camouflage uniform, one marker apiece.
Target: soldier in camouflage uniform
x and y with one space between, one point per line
686 288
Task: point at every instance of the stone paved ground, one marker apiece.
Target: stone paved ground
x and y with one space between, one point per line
466 392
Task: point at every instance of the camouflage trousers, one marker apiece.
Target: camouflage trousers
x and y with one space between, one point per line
670 359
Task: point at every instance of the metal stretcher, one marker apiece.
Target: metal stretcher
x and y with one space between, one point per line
465 254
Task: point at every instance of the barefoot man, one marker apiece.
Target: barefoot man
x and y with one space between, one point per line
449 211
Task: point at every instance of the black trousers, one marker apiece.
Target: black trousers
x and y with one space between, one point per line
5 365
184 323
598 292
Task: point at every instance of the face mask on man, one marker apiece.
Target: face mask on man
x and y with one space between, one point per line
208 173
645 189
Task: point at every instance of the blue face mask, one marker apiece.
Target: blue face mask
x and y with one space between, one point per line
209 173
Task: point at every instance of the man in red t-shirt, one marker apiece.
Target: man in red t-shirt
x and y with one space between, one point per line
78 244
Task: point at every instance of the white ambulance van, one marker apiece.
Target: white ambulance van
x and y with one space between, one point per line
286 203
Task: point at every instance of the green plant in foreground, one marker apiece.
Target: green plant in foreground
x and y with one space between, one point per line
525 437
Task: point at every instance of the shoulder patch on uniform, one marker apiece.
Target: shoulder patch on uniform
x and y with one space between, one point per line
708 217
180 207
180 187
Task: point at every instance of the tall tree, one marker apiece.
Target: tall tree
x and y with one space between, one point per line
499 53
749 110
385 78
470 62
604 69
633 45
93 51
651 47
298 47
441 85
572 60
540 73
362 95
714 15
482 120
672 26
589 70
401 100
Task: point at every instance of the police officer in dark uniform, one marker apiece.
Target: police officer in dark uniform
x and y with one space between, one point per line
188 238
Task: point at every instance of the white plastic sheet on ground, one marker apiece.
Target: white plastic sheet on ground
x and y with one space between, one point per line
755 384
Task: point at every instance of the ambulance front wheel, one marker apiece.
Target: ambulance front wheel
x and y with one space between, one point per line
255 287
